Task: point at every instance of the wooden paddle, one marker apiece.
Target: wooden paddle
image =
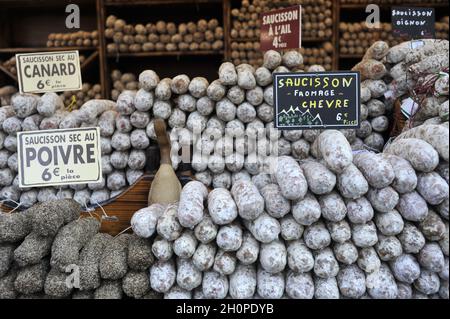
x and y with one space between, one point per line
166 187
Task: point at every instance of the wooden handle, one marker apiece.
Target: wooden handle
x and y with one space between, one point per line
163 141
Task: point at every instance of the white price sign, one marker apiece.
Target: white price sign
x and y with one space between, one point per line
59 157
49 72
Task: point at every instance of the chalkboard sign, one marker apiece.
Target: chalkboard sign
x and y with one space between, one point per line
317 100
413 23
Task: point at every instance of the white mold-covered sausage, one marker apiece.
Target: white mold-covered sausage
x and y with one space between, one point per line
333 147
405 177
412 206
269 285
249 251
422 156
351 183
290 178
248 200
185 245
333 207
243 282
320 179
264 228
306 211
221 206
162 276
299 257
144 221
299 285
376 169
190 209
276 205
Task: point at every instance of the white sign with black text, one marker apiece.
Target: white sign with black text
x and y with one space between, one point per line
49 72
59 157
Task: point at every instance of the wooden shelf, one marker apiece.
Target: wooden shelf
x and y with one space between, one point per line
164 53
41 3
385 6
351 56
45 49
244 39
316 40
89 60
156 2
307 40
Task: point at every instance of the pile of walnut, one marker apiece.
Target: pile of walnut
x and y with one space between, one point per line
163 36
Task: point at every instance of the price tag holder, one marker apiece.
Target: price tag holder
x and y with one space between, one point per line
59 157
49 72
317 100
281 29
413 22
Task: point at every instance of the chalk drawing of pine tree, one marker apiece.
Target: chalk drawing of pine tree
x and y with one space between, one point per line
294 117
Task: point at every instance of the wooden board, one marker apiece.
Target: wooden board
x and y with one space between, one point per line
121 209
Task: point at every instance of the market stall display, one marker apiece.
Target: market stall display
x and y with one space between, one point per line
201 196
314 220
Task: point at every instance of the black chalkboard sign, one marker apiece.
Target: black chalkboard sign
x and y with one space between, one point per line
317 100
413 23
